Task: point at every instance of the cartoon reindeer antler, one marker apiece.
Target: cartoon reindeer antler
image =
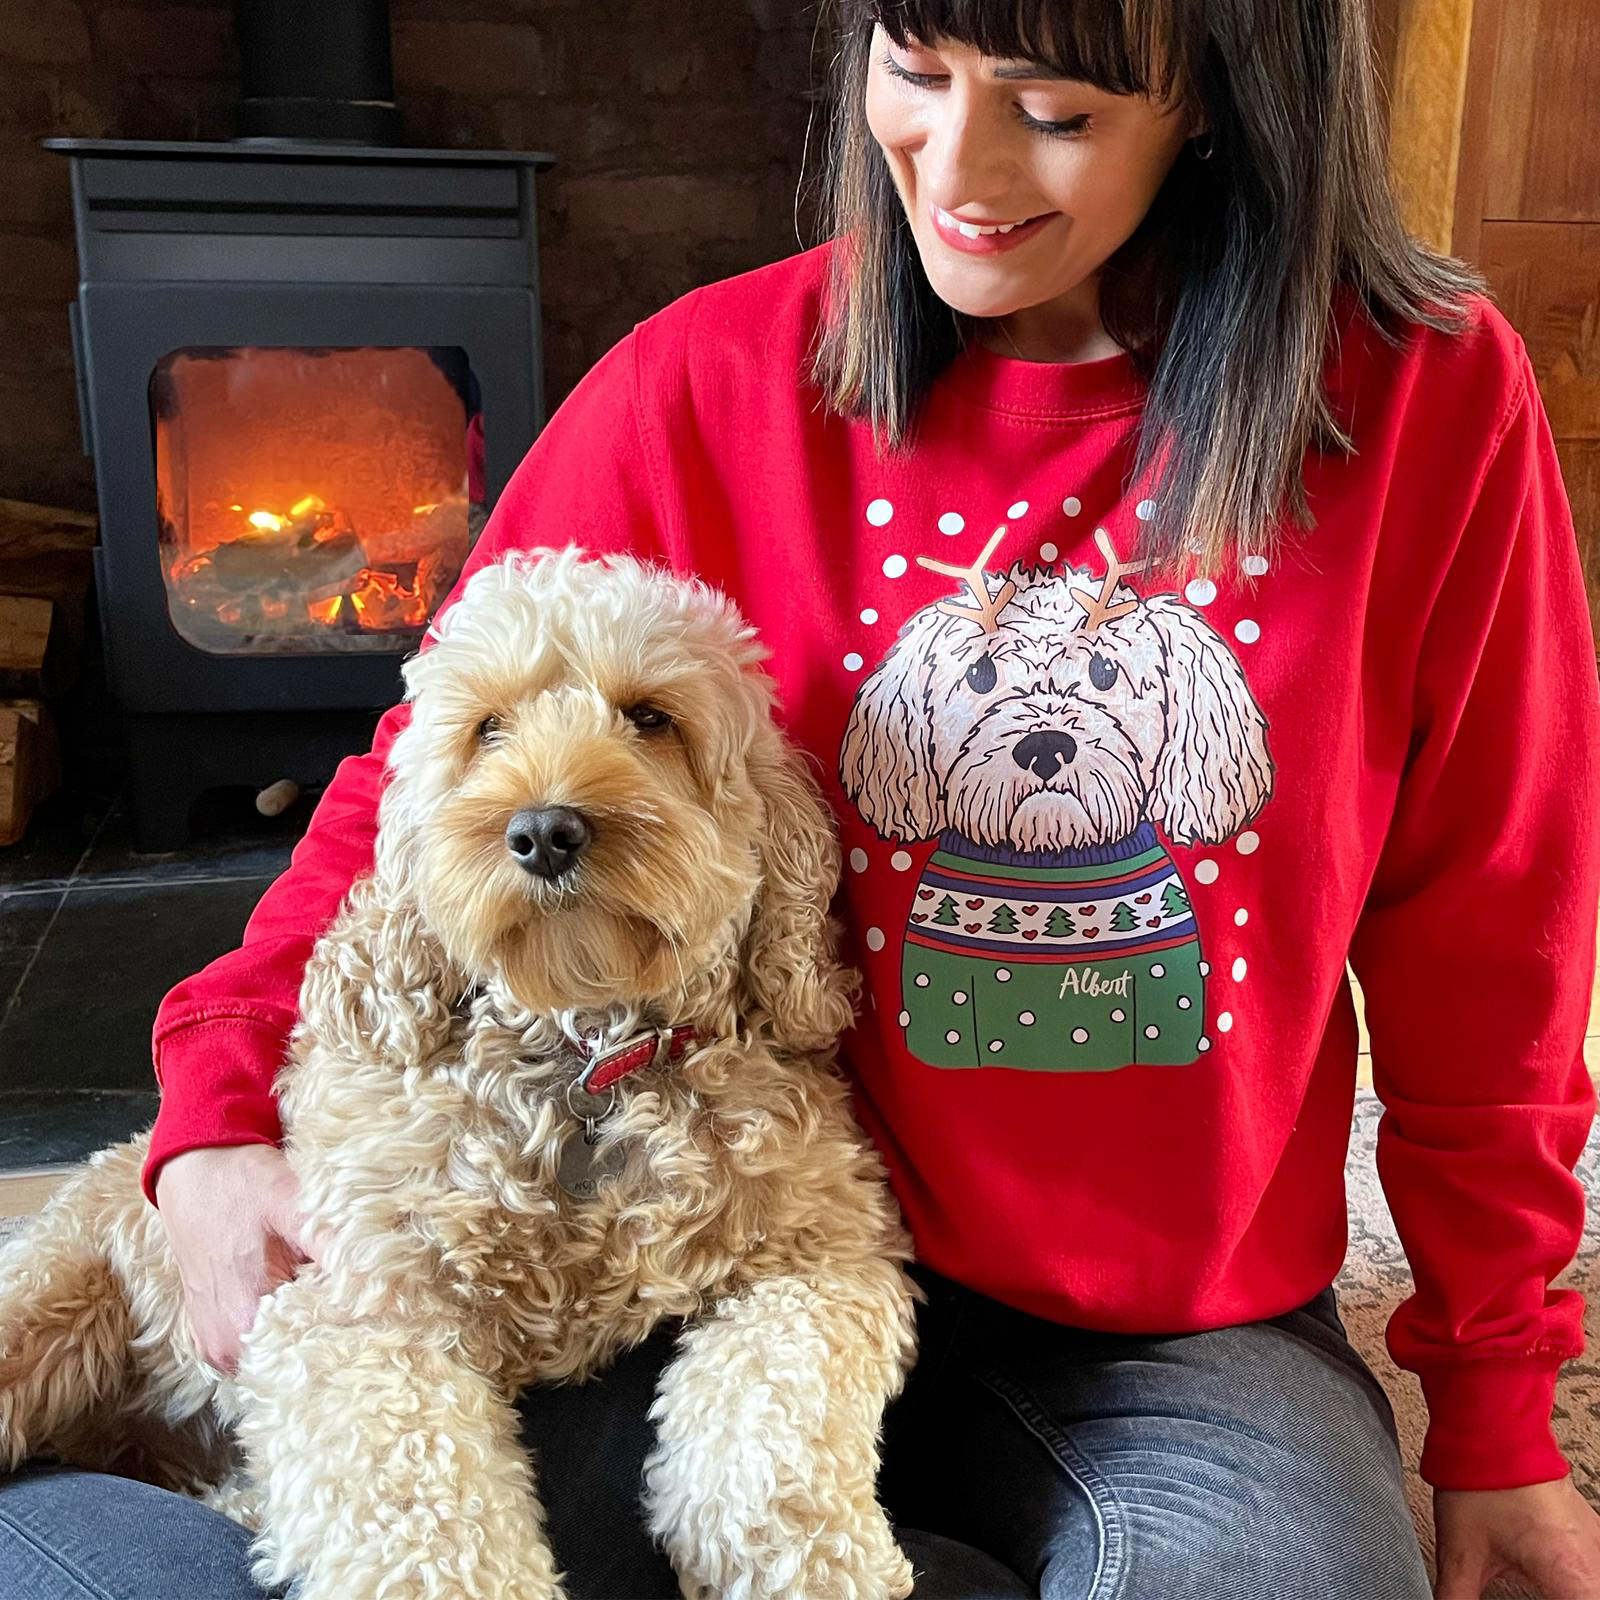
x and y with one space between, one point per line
988 609
1098 606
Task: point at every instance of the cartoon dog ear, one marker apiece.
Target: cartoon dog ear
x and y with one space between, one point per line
886 758
789 967
1214 773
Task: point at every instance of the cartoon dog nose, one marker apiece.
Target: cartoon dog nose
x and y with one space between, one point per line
546 841
1045 753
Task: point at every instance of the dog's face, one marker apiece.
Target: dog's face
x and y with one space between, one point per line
1035 734
586 795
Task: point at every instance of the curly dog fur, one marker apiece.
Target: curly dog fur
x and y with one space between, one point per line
369 1432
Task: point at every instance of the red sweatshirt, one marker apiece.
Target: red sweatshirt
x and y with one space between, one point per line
1103 880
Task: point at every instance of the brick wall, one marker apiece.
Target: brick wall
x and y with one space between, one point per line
677 125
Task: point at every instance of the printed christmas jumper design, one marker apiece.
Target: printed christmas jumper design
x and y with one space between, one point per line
1040 728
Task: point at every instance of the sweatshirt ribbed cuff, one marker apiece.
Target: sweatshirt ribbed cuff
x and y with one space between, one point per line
212 1089
1489 1424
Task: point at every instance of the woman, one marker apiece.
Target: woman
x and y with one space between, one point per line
1112 829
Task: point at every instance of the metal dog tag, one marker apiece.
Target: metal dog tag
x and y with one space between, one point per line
584 1165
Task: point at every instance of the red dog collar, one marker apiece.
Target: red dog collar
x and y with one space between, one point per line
655 1047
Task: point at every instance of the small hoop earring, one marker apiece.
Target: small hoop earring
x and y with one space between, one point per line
1210 149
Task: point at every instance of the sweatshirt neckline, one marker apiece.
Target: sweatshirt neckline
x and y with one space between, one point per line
1044 388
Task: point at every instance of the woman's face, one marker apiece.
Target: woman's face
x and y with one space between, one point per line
990 141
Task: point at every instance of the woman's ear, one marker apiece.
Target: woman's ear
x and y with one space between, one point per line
789 966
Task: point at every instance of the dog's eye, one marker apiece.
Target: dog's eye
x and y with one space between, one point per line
490 724
981 675
1102 673
648 717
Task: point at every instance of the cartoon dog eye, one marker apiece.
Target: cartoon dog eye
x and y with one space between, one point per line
1102 673
981 675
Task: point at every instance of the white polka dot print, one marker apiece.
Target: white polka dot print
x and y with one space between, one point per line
921 980
1018 509
895 567
1200 592
1248 842
1026 1018
900 860
1002 974
1254 566
1240 917
1224 1022
1205 968
1119 1015
1205 1043
959 997
1157 970
952 1037
905 1019
869 616
1080 1036
1239 970
875 939
858 860
1145 510
1152 1032
852 662
1183 1002
879 512
1206 871
952 522
1246 631
996 1044
1048 552
1072 505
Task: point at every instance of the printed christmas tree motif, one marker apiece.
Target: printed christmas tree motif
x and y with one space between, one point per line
1174 902
1004 919
1059 925
1123 919
946 916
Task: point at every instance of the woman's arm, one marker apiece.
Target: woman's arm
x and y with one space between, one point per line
1475 952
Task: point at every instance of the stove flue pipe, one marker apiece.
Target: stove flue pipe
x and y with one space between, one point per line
316 70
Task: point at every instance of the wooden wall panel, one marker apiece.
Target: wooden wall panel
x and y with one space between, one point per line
1546 277
1541 162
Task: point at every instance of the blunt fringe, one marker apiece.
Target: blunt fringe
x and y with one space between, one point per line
1224 296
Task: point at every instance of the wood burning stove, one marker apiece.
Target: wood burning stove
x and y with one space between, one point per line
305 372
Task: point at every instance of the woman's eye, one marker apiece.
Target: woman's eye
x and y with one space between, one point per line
648 717
981 675
1102 673
1070 128
490 724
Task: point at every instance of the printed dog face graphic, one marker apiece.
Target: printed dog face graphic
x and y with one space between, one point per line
1042 728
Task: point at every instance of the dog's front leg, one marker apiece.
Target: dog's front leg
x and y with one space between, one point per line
763 1480
388 1465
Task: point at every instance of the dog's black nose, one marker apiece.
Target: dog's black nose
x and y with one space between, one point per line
1045 753
546 842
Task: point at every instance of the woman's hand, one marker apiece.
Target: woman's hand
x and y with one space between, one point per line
1546 1534
231 1216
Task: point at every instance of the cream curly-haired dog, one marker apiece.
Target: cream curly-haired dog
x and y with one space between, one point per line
592 828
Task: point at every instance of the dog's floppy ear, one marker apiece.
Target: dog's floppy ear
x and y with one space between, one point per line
1214 773
789 967
379 983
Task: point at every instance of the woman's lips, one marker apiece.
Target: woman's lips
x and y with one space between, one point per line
986 244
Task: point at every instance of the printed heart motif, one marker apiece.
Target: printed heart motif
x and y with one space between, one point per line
1153 922
1141 899
1090 933
1088 911
972 927
924 894
1028 911
1030 933
972 905
919 916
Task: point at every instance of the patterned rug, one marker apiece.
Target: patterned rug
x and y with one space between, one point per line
1376 1279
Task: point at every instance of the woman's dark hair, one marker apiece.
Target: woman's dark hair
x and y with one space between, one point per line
1225 293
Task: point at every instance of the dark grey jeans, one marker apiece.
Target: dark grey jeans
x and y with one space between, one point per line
1023 1459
